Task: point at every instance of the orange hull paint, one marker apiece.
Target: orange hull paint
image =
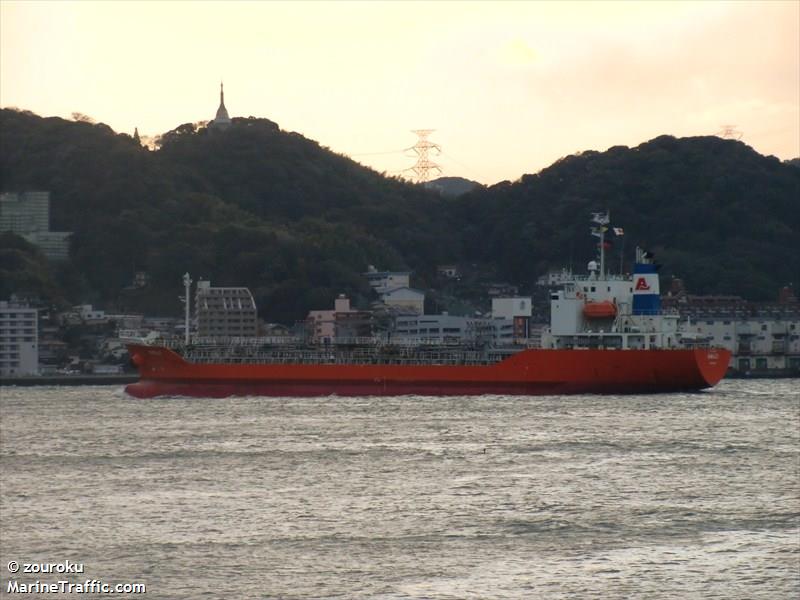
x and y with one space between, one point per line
529 372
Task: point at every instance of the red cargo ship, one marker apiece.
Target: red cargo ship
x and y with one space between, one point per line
529 372
607 334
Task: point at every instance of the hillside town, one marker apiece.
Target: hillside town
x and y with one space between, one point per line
455 299
40 340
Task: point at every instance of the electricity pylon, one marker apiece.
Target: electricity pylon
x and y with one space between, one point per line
424 165
729 132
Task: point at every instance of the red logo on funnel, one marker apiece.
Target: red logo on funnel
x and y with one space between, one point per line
641 284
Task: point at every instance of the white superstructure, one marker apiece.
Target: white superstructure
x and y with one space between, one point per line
601 310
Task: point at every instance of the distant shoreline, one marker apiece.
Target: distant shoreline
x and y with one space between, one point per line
68 380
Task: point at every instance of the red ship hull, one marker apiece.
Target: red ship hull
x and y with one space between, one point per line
529 372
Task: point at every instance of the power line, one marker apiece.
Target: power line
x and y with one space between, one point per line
379 153
462 165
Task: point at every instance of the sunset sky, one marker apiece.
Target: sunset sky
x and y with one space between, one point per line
509 87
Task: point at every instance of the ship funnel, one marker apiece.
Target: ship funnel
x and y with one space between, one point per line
646 292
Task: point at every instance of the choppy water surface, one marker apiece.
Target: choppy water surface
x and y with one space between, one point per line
672 496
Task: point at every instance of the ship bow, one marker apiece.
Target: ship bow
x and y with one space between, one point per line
712 363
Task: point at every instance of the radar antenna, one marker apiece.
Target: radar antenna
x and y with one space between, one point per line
601 221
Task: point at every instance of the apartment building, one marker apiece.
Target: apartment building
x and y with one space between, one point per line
225 311
19 340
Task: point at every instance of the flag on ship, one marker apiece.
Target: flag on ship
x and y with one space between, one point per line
618 231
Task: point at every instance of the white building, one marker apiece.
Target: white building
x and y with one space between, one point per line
88 313
513 318
508 308
19 340
28 214
449 271
756 344
555 278
392 288
405 299
451 329
385 281
442 329
166 326
225 311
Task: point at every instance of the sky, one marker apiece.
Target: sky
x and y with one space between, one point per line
508 87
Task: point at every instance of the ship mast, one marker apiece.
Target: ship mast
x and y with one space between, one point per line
187 285
601 221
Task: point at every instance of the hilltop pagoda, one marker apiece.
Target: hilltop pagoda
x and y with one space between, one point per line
222 120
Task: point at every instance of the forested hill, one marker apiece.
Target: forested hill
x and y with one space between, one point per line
297 223
716 213
252 206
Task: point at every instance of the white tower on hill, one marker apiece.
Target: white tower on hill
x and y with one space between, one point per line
222 120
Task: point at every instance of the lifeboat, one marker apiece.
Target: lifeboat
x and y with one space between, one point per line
600 310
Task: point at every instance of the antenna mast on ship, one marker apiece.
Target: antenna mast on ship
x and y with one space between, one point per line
601 221
187 285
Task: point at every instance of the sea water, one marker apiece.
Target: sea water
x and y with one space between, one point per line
663 496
